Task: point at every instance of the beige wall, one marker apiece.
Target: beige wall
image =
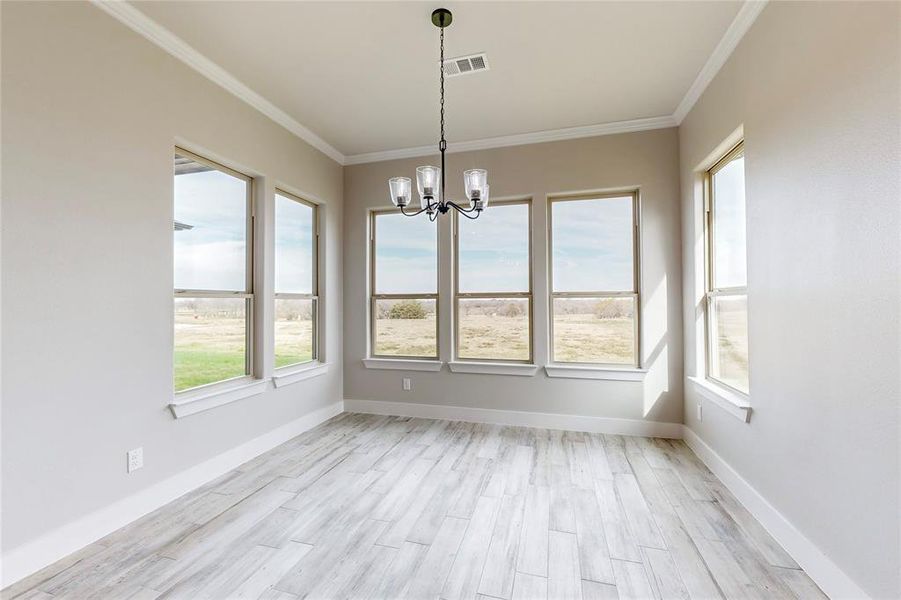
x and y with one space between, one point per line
816 87
91 112
646 160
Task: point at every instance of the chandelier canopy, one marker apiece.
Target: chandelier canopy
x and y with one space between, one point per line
430 180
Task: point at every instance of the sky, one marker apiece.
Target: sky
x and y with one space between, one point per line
494 250
592 249
211 256
406 250
592 242
294 241
729 255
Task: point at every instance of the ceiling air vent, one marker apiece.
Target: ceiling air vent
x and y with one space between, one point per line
463 65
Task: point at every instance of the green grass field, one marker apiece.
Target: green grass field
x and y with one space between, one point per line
293 342
198 366
586 338
494 337
211 348
578 338
406 337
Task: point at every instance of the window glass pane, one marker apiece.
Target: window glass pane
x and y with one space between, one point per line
594 330
494 328
494 250
405 328
294 330
210 340
592 245
729 340
406 255
294 246
210 228
729 256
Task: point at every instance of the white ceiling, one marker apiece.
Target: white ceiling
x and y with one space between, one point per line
363 76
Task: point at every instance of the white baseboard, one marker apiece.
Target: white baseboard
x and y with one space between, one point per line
29 558
516 417
20 562
825 573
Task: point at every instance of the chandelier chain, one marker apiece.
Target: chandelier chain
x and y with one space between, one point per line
434 204
442 90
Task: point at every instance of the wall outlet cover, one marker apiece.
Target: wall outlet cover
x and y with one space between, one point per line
408 384
135 459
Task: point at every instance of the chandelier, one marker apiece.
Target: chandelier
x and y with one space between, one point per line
430 180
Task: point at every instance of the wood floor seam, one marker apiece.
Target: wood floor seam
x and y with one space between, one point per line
378 507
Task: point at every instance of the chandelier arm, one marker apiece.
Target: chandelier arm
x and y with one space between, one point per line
466 214
460 208
413 214
464 211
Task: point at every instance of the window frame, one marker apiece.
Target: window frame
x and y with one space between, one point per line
247 294
457 296
635 294
710 291
314 296
374 297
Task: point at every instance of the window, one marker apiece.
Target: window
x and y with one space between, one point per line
213 272
404 286
296 280
594 279
493 300
727 277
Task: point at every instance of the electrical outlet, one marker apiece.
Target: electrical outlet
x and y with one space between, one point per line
700 412
135 459
408 384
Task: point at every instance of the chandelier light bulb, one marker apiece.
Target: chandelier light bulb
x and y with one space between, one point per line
474 182
399 191
427 182
480 203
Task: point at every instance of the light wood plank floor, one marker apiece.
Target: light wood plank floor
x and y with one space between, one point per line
388 507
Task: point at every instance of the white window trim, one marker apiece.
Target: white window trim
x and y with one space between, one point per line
710 290
493 368
249 294
315 295
191 403
294 373
734 403
402 364
595 372
482 364
374 297
635 293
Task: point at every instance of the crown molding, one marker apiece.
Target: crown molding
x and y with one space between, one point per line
171 43
174 45
740 25
537 137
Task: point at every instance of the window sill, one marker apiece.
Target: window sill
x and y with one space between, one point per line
493 368
402 364
299 373
736 404
207 399
586 372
